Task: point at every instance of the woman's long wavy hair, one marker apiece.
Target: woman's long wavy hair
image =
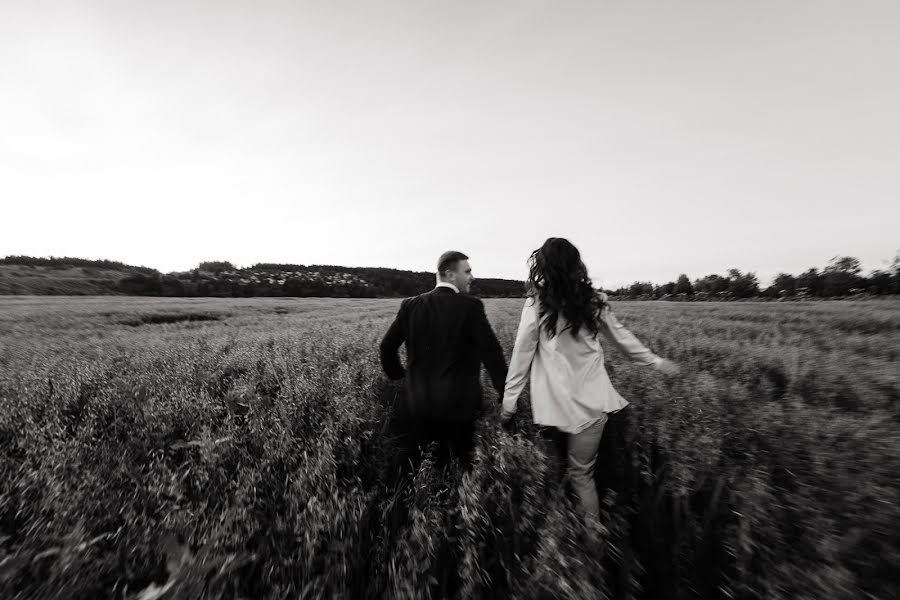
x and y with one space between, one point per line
558 278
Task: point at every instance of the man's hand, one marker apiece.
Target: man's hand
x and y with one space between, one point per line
506 421
390 345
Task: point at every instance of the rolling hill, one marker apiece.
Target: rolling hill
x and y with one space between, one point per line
25 275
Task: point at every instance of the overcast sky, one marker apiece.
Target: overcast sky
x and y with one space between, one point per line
660 137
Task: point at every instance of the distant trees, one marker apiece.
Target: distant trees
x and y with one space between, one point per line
304 288
810 283
217 279
841 277
139 284
641 288
683 285
666 289
277 267
711 285
171 286
742 285
784 285
216 266
881 282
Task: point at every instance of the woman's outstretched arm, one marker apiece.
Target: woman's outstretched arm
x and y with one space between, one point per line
613 330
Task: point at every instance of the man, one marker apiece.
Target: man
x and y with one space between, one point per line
447 337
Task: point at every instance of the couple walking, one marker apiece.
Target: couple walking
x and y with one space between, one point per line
448 337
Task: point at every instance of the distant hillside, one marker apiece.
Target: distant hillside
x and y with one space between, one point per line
74 276
59 281
61 262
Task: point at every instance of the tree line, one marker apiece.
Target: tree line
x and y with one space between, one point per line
222 279
840 278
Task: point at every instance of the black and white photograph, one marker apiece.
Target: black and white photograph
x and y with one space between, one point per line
430 299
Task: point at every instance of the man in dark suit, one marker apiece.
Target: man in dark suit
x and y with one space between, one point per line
447 337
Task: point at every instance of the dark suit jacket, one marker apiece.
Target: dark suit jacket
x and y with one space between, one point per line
447 337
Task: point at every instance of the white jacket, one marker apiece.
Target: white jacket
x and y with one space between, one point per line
569 385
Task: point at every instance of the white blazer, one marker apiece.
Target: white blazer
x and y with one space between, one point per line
570 388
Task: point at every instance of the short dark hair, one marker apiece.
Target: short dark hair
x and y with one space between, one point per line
449 260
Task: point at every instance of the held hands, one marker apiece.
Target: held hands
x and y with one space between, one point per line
506 418
506 422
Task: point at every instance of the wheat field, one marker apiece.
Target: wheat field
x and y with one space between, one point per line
236 448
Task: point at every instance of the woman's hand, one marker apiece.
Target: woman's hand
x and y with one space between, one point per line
667 367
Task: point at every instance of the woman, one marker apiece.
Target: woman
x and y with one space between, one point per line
557 343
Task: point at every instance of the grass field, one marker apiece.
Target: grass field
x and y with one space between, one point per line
178 448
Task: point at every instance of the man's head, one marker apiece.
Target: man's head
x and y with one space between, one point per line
453 267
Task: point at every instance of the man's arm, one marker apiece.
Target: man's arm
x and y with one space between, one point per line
390 346
489 348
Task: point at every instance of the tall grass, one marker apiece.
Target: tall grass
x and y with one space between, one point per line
148 454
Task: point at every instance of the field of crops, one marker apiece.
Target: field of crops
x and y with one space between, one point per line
177 448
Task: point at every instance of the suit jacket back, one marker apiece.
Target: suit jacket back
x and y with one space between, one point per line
447 337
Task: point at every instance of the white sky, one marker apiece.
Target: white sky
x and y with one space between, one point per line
660 137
